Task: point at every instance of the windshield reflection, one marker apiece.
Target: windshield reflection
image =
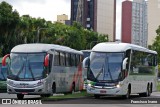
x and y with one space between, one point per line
27 66
106 66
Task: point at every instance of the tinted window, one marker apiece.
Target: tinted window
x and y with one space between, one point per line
56 58
62 59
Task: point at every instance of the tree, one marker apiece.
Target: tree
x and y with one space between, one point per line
156 44
16 30
9 21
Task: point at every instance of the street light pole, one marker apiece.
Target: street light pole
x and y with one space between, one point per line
38 32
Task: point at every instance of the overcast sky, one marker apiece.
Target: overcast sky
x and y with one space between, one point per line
49 9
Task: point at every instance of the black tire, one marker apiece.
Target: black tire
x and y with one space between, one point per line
127 96
96 96
151 88
147 93
148 90
20 96
142 94
54 88
42 95
73 88
45 95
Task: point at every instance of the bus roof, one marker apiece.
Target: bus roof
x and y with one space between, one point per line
119 47
40 47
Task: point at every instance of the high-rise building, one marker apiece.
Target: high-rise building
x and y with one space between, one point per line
153 19
97 15
77 11
134 22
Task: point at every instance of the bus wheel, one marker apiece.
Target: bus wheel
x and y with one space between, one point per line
96 96
54 88
151 88
73 88
127 96
20 96
48 95
42 95
147 93
148 90
45 95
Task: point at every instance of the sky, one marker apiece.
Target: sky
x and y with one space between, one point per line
49 9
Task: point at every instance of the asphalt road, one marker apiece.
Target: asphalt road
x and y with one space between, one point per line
111 101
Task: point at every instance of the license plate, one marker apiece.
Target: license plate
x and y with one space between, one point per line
24 93
103 91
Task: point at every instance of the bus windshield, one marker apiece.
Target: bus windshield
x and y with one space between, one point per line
26 66
3 73
106 66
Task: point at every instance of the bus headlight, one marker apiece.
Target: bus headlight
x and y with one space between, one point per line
89 85
40 83
119 84
11 83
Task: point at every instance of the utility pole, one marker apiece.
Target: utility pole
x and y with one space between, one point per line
38 33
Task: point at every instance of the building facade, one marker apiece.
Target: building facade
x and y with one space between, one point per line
153 19
96 15
62 18
134 22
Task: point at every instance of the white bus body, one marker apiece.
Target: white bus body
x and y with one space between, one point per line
121 69
43 69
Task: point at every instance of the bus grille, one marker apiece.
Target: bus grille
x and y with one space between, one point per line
24 90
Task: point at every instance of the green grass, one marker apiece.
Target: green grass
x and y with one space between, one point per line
68 95
78 95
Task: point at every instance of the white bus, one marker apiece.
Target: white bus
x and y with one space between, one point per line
121 69
43 69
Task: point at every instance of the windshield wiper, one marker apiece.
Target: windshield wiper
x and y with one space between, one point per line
110 74
99 73
31 70
109 71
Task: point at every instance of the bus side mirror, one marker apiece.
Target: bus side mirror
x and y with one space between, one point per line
86 62
4 59
124 64
46 61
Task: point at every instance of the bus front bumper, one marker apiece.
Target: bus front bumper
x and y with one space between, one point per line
106 90
28 91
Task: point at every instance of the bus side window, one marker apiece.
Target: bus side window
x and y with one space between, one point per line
128 53
62 59
155 60
77 60
70 59
73 59
50 62
150 59
67 60
56 58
